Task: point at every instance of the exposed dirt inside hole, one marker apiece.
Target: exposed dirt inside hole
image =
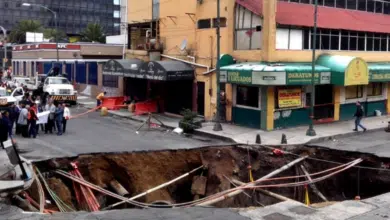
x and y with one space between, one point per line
138 172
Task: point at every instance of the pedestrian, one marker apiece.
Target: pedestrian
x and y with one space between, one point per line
17 110
66 117
7 122
59 115
3 131
13 117
358 117
99 98
33 118
22 120
50 121
39 110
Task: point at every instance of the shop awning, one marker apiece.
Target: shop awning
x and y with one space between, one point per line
166 71
346 70
275 74
126 68
379 72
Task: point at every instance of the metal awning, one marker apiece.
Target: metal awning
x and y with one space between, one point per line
379 72
125 68
166 71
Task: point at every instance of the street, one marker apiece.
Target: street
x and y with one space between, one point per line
95 134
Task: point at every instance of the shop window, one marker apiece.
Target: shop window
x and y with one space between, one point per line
374 89
204 24
92 74
247 96
353 92
110 81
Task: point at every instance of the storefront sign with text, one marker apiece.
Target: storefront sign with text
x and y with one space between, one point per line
289 98
306 78
356 73
379 77
240 77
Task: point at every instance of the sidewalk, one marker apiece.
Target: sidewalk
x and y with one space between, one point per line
243 135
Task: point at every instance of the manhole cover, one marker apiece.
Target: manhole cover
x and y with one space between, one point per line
277 216
302 210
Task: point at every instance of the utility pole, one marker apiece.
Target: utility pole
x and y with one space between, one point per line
217 124
5 47
311 131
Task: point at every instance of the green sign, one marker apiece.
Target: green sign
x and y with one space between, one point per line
379 77
306 78
240 77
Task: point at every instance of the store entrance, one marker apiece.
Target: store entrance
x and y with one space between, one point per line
323 103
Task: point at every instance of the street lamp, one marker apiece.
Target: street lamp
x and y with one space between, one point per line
217 125
311 131
5 46
55 20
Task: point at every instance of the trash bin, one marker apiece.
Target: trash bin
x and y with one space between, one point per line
378 113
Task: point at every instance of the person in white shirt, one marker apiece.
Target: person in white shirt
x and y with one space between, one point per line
66 117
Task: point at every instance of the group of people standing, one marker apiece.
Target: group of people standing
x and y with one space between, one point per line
25 117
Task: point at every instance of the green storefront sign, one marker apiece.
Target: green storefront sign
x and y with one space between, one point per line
240 77
379 77
306 78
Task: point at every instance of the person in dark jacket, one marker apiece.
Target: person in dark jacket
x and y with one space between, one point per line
7 122
59 115
13 117
358 117
3 131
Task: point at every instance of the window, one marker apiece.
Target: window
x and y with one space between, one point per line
353 92
58 81
222 22
117 2
204 23
247 96
110 81
247 33
117 14
374 89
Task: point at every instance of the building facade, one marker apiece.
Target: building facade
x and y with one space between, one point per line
266 70
83 64
73 15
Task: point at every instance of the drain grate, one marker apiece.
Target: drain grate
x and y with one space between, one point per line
276 216
302 210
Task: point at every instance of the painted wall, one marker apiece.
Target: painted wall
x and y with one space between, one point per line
139 10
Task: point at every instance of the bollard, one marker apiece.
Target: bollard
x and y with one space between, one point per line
284 139
258 139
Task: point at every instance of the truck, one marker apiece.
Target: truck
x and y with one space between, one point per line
59 89
7 99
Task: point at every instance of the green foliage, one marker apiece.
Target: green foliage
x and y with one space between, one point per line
187 122
50 33
18 33
94 33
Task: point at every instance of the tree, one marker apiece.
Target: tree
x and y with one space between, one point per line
50 33
94 33
18 33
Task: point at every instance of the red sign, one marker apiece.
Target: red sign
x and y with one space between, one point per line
51 46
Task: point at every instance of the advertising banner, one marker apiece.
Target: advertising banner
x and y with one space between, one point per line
289 98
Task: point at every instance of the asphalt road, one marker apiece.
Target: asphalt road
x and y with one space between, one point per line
375 142
95 134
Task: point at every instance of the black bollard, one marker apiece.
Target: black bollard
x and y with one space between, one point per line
258 139
284 139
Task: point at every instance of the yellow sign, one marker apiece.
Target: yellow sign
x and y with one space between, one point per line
288 98
356 73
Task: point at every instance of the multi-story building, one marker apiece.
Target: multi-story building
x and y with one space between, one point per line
73 15
269 85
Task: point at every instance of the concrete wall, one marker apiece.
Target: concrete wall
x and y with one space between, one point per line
139 10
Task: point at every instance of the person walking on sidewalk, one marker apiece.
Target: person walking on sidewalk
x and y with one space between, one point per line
59 115
99 98
358 117
66 117
50 122
22 120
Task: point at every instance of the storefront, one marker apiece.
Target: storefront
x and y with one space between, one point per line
278 95
275 95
